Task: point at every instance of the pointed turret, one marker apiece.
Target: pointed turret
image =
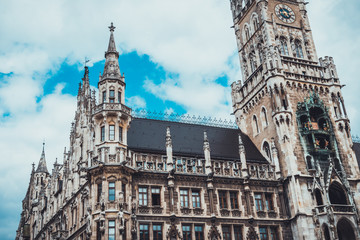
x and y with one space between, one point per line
111 69
42 162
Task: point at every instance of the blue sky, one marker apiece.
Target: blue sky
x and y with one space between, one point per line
177 57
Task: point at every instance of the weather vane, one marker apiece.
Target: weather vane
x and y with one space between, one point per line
86 61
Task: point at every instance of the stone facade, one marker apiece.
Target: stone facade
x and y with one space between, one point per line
290 173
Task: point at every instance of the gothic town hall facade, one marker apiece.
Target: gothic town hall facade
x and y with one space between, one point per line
287 171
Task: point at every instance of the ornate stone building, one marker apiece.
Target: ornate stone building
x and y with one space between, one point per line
290 172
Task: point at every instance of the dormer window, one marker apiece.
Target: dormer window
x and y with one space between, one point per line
104 96
112 96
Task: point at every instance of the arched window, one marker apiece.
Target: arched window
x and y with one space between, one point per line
264 117
256 23
345 230
255 125
266 149
326 232
252 62
283 47
247 33
298 49
318 196
337 194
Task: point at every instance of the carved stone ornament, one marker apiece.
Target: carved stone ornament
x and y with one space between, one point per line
251 234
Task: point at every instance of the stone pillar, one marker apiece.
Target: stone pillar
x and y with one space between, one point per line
207 155
169 155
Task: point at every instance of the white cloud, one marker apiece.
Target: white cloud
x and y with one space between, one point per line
191 38
136 102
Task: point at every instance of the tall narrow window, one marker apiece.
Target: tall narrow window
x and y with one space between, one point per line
186 229
99 191
234 200
237 233
157 232
119 97
196 198
263 233
102 134
120 134
112 96
155 196
226 232
283 47
222 199
111 191
144 232
255 125
184 198
104 96
298 49
123 188
111 230
269 202
199 232
143 196
264 117
98 232
258 202
266 149
111 132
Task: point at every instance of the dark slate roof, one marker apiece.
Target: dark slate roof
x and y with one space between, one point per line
147 135
356 148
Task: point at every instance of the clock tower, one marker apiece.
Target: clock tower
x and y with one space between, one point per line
290 104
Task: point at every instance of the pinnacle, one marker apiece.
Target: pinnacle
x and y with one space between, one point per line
42 162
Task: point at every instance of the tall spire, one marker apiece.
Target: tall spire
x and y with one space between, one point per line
42 162
111 69
111 47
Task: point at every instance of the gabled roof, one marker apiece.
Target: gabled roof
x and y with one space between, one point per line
148 136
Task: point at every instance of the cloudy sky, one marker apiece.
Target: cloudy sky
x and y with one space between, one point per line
178 56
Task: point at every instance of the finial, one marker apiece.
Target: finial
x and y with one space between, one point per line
86 61
111 27
168 132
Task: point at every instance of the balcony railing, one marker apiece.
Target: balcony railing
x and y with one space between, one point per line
112 107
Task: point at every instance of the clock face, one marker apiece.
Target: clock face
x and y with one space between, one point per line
285 13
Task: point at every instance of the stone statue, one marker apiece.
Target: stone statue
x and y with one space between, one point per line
88 223
120 217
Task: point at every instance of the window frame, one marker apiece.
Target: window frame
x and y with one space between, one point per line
112 132
111 96
156 191
111 191
269 202
263 234
258 202
111 227
143 197
157 231
196 199
234 202
189 232
99 191
104 96
144 233
184 198
120 133
102 133
226 235
223 199
199 235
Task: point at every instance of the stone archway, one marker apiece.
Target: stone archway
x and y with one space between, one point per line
345 230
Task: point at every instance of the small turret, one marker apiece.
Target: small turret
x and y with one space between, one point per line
207 154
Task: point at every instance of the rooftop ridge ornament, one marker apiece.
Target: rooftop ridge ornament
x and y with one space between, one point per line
184 118
111 27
